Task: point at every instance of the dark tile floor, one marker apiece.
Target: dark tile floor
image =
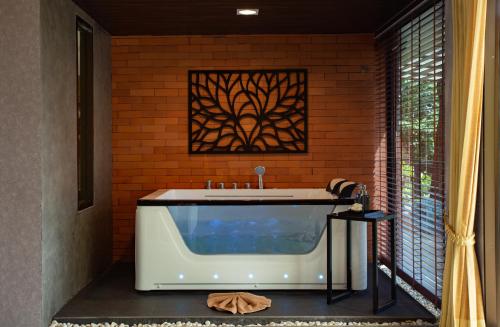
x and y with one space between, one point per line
113 298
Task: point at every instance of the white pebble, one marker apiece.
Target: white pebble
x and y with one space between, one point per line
207 323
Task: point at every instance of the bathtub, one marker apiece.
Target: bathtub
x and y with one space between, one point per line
243 239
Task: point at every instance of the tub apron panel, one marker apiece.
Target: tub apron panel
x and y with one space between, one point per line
164 260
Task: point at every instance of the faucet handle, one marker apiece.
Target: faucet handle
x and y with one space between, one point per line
209 184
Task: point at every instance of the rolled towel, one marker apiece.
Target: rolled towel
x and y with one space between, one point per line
334 185
238 302
346 189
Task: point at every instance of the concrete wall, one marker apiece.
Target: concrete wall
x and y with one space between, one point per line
76 246
20 163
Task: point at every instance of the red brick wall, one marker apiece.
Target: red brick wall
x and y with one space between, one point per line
150 115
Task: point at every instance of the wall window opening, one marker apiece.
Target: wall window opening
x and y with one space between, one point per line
84 112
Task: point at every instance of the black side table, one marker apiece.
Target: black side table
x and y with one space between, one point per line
370 216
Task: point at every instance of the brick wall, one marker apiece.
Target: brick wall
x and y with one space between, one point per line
150 115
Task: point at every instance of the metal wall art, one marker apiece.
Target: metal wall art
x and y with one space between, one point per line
247 111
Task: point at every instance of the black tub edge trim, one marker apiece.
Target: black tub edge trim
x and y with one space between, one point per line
179 202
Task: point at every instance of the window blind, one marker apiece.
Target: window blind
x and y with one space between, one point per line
410 156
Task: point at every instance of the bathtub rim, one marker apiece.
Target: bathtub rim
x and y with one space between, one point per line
152 200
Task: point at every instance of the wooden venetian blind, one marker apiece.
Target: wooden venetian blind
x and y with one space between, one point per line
410 162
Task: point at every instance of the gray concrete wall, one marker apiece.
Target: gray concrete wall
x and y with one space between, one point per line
20 163
76 246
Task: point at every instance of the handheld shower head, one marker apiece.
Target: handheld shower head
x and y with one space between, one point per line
260 170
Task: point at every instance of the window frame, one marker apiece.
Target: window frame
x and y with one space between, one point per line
390 183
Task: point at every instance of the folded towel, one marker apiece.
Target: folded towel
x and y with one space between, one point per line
346 189
334 185
238 302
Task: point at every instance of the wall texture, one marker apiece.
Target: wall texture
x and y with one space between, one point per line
150 115
76 245
20 164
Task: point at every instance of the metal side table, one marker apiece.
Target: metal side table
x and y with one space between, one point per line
370 216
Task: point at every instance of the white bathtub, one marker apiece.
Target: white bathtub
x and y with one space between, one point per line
242 240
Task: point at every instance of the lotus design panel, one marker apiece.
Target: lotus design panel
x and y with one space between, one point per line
243 111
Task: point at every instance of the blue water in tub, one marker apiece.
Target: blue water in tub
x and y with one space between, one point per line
252 229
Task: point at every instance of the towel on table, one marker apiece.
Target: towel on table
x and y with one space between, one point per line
341 187
334 185
238 302
346 189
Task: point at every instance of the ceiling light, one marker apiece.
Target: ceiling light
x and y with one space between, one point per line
247 12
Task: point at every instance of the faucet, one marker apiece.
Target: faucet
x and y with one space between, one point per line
209 184
260 170
221 186
247 185
235 186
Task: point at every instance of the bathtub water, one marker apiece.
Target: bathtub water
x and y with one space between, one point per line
259 229
246 238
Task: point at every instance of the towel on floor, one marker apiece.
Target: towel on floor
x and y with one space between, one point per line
238 302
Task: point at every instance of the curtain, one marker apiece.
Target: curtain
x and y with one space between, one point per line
461 299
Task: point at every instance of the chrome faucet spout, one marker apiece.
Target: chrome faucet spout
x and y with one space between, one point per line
261 183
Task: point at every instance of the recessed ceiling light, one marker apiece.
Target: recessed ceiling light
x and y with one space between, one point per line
247 12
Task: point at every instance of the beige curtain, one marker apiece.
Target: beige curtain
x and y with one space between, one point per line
462 303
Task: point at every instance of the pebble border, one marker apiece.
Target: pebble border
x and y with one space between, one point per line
417 296
272 324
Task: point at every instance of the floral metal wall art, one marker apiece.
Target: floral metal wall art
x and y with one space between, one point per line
247 111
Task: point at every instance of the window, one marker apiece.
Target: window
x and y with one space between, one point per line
411 154
84 109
